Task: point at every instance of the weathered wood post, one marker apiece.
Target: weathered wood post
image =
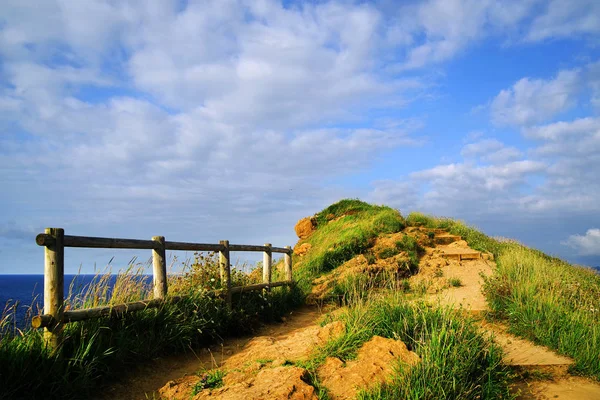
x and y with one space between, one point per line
288 264
267 264
159 266
225 270
54 286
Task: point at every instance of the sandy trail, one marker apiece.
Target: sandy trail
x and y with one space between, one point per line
519 353
149 378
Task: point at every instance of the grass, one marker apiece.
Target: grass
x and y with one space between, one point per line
455 282
209 380
457 361
95 351
344 230
549 302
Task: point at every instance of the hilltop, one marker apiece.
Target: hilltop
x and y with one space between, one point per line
429 309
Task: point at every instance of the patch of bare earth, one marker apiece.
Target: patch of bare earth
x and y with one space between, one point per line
264 368
374 364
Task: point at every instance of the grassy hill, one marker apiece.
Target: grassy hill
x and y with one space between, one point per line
354 254
542 298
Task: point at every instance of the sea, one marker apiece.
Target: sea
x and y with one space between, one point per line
27 292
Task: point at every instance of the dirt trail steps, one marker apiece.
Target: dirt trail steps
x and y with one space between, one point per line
523 355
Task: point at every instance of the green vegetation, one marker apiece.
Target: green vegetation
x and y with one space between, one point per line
387 253
209 380
344 230
550 302
413 249
454 282
96 350
457 361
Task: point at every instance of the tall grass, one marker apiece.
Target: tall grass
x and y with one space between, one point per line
457 361
549 302
345 229
96 351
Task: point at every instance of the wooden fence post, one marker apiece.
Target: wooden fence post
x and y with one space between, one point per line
159 266
288 264
267 264
225 270
54 286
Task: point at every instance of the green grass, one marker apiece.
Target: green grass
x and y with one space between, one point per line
457 361
412 248
209 380
352 227
96 351
550 302
454 282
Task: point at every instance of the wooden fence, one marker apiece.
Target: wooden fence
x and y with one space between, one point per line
54 240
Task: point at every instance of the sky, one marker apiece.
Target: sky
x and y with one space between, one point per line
210 120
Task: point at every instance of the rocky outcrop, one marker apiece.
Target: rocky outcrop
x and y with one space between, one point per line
305 227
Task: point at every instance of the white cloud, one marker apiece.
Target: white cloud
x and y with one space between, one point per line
492 151
587 245
580 137
402 195
566 19
531 101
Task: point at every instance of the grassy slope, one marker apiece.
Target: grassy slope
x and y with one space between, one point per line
542 298
352 226
458 361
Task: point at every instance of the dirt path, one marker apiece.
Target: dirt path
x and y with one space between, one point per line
148 379
268 365
523 355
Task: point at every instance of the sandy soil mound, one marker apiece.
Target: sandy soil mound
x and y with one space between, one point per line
305 227
374 364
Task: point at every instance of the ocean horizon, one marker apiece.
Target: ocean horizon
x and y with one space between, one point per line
27 291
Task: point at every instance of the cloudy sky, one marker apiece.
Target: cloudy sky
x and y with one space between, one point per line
208 120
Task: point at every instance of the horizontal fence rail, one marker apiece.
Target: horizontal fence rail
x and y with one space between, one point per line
54 240
44 239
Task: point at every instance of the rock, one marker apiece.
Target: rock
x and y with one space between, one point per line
374 364
302 249
305 227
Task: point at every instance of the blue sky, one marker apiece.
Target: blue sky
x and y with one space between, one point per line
209 120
